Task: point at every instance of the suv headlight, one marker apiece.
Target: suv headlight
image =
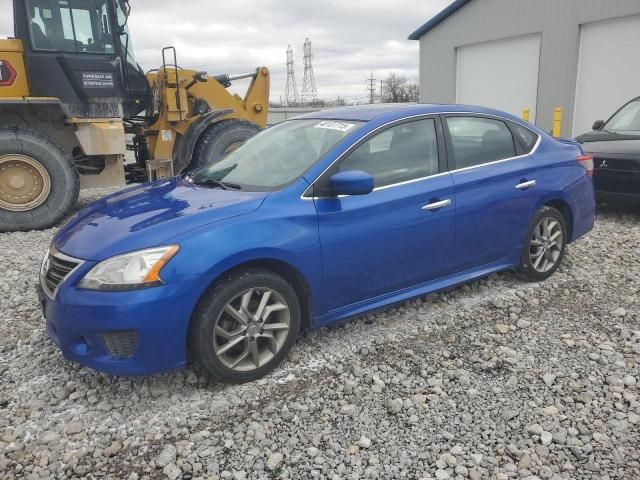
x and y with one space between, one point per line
130 271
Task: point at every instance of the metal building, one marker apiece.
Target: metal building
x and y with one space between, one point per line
580 55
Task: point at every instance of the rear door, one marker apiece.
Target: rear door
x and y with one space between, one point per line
495 188
397 236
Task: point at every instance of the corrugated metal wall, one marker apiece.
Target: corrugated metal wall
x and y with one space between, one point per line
558 21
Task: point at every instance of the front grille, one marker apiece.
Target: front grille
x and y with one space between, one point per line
57 267
121 344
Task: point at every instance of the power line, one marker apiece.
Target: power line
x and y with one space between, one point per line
291 91
309 90
371 87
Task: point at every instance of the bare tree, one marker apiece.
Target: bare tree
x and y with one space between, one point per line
396 88
412 93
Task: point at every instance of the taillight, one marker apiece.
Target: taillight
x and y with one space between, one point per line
587 162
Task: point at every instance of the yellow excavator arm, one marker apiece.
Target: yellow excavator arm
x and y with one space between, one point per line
182 97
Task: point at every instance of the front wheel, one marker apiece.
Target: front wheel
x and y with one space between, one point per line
38 180
544 245
245 325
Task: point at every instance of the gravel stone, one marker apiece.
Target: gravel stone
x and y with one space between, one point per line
546 438
49 437
548 379
171 471
167 456
364 442
395 405
501 328
442 474
618 312
74 427
274 461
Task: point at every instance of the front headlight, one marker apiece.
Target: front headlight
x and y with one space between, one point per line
129 271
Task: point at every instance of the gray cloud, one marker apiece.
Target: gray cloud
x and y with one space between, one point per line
350 39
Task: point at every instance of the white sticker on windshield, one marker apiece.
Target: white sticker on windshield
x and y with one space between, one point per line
333 125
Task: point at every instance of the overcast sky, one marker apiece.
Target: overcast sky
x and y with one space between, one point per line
350 38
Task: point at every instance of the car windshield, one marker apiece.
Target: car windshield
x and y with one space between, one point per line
627 120
276 156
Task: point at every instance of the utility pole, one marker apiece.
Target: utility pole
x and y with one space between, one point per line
309 90
371 86
291 91
381 92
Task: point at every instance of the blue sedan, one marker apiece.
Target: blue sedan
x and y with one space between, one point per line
311 221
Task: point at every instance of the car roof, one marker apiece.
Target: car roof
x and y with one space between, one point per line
392 111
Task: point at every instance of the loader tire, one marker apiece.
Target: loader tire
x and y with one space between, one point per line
38 180
219 139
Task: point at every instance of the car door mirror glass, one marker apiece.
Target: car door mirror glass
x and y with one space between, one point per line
351 182
598 124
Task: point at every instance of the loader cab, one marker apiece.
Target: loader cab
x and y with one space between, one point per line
79 51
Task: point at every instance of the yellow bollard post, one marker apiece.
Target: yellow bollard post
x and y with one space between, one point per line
525 114
557 121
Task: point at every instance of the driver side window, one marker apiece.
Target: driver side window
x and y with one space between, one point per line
407 151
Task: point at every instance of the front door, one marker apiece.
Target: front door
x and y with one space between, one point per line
399 235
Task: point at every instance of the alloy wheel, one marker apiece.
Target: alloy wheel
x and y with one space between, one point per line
546 244
251 329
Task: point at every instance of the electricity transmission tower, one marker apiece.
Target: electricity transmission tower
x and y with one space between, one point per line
291 91
309 90
371 87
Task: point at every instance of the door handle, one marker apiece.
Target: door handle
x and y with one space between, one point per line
525 185
437 205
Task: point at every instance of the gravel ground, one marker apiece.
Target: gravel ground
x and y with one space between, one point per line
494 379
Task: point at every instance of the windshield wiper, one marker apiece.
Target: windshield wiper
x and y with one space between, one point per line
215 183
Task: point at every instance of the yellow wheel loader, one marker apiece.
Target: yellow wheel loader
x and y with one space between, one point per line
73 100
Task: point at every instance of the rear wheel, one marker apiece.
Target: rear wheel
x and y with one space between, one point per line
221 138
38 181
245 326
545 244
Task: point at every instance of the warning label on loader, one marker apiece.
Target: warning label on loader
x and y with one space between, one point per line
97 80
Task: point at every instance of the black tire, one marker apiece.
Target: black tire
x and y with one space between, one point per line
63 176
527 269
219 139
211 307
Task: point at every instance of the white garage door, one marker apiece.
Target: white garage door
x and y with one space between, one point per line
502 74
608 70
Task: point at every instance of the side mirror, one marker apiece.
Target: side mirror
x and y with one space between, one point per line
351 182
597 125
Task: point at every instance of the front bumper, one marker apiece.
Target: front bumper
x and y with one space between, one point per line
123 333
615 198
618 181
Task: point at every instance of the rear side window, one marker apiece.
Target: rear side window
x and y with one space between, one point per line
526 137
405 152
478 140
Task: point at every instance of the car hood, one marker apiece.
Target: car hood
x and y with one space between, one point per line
149 215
